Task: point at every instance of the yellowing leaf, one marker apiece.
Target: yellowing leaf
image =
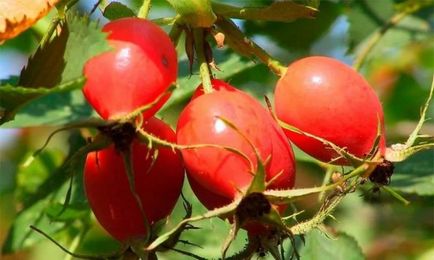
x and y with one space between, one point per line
18 15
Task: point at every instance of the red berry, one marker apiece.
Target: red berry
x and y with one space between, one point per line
139 70
327 98
158 184
216 85
154 42
216 175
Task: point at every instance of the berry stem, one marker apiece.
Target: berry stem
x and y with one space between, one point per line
204 70
144 9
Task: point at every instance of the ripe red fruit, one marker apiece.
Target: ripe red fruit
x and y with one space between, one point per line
327 98
216 175
216 85
158 184
139 70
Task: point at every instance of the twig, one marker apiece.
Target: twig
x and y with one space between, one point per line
376 37
199 41
144 9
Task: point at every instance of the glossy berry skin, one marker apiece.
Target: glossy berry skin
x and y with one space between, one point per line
154 42
158 186
324 97
140 68
218 175
216 85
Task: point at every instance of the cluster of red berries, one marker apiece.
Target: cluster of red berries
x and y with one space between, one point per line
318 95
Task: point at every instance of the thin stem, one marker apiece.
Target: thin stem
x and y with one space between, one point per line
88 123
249 46
205 76
144 9
326 179
396 195
164 20
376 37
47 36
78 240
218 212
63 248
150 139
101 4
414 135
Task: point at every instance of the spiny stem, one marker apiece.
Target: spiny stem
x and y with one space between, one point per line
287 196
376 37
144 9
319 218
326 179
199 41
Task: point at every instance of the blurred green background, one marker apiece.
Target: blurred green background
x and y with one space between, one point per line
400 69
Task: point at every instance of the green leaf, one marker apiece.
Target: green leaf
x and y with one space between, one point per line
85 41
72 163
409 30
21 236
301 34
209 237
31 176
13 98
56 67
367 16
42 73
116 10
405 101
281 11
319 246
57 212
12 80
44 68
415 175
47 197
53 109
